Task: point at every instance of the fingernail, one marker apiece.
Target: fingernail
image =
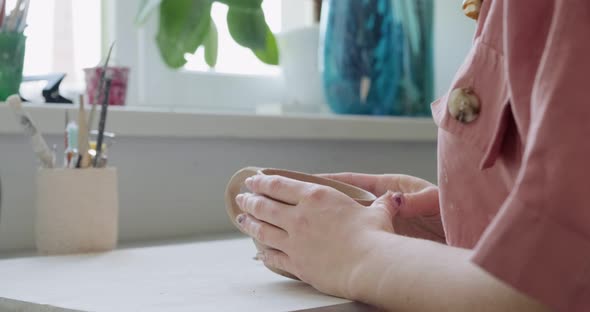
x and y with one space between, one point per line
398 200
239 199
248 182
240 219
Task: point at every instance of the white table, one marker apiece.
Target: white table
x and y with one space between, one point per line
202 276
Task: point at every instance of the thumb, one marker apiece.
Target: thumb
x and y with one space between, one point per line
420 204
387 202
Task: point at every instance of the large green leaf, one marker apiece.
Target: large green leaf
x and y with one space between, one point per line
243 3
184 24
247 26
270 54
211 45
146 7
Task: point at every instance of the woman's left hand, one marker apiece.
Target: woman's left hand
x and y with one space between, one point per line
320 234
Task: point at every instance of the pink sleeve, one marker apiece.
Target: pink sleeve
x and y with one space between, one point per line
539 242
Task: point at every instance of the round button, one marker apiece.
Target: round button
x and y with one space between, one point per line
471 8
464 105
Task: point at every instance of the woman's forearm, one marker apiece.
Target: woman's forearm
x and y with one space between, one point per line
407 274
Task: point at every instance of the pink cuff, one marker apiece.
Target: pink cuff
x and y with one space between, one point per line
538 256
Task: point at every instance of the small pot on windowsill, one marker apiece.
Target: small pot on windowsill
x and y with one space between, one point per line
300 69
120 79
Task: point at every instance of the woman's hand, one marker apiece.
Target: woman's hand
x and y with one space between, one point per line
317 233
419 212
344 249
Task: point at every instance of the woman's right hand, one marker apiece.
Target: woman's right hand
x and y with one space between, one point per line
419 212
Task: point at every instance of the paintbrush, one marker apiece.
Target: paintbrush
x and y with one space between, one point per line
22 17
99 91
84 157
67 121
12 21
2 12
102 121
39 145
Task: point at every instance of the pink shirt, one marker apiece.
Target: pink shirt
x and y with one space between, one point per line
515 182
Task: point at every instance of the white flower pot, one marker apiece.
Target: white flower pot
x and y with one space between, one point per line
300 69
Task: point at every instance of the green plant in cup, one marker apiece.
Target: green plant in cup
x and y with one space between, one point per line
12 54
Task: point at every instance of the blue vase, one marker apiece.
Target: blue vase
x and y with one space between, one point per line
416 86
361 50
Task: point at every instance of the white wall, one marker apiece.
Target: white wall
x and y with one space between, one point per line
174 187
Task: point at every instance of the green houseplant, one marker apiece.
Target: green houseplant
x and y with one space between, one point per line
185 25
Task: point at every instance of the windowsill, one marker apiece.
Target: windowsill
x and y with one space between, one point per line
191 123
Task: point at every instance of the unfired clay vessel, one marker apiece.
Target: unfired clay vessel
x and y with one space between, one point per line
236 185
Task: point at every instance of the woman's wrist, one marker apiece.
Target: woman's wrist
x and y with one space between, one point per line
399 270
362 283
